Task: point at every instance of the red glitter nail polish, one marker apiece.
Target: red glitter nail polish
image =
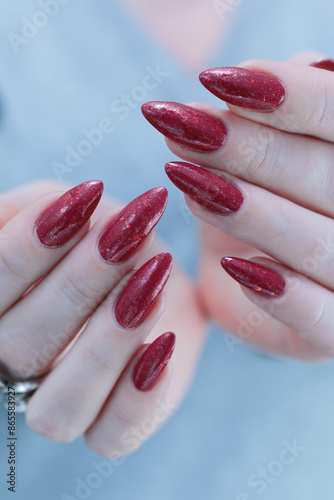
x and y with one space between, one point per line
244 88
143 289
324 64
258 278
153 361
209 190
185 125
68 214
127 230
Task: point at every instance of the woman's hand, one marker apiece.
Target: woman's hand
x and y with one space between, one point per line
274 148
74 313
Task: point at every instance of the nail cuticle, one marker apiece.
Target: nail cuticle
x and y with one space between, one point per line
127 231
260 279
191 128
157 308
142 291
212 192
324 63
68 214
247 88
150 366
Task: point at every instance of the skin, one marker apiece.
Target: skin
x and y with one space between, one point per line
286 179
52 411
99 363
299 326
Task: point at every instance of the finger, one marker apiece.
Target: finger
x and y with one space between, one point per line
273 159
297 98
40 235
297 302
136 408
99 356
295 236
315 59
14 200
78 285
307 57
237 314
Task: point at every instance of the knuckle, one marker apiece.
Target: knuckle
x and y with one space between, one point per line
39 421
17 354
105 449
318 258
12 266
325 184
78 292
317 319
98 358
320 113
275 231
263 154
124 417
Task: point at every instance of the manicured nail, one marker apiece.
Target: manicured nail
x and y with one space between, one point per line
209 190
68 214
258 278
244 88
153 361
124 234
185 125
143 289
324 64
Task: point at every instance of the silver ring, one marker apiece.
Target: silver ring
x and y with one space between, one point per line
15 395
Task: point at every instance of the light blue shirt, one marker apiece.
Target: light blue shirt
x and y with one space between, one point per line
252 426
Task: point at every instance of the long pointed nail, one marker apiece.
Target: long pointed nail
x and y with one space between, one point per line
142 291
153 361
209 190
185 125
244 88
68 214
324 64
127 230
258 278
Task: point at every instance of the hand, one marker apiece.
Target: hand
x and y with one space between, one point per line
62 317
274 148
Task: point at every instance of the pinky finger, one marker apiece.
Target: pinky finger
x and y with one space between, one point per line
135 408
304 306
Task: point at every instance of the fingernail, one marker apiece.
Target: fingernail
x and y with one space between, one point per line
127 230
324 64
68 214
153 361
258 278
244 88
143 289
185 125
209 190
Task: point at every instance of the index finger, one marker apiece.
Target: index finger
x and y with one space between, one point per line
288 96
